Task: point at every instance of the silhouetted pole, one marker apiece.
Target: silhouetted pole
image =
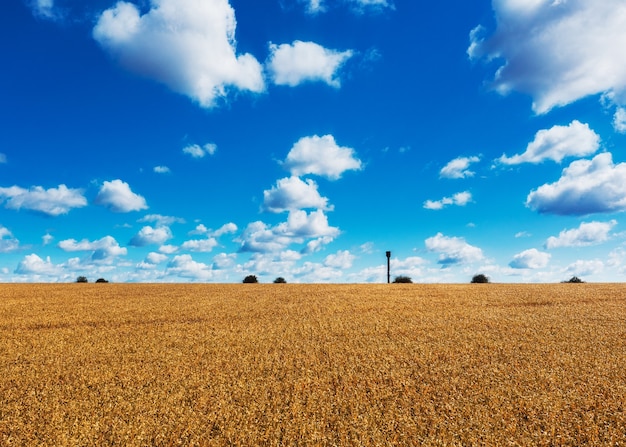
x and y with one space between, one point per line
388 267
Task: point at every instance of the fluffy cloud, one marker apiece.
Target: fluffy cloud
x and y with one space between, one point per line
200 245
293 193
161 169
305 62
188 45
585 187
7 241
343 259
228 228
619 120
34 265
102 250
148 235
585 267
321 156
155 258
161 220
530 259
185 267
588 233
459 199
118 197
300 225
197 151
53 201
575 140
453 250
556 51
458 168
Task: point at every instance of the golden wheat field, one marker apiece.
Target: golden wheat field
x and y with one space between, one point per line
309 365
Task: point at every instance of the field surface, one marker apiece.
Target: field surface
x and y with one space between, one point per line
309 365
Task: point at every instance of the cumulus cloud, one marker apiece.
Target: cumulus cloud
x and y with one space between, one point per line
161 170
619 120
52 202
197 151
557 143
185 267
293 64
200 245
458 168
530 259
321 156
34 265
585 267
300 225
188 45
585 187
588 233
343 259
453 250
556 51
8 242
155 258
102 250
293 193
459 199
162 221
228 228
118 197
148 235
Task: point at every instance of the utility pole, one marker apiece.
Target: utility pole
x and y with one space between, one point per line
388 267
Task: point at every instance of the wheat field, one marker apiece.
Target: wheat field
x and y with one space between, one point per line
312 365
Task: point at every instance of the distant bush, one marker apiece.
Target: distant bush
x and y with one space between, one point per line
82 279
402 280
574 279
280 280
480 279
101 280
250 279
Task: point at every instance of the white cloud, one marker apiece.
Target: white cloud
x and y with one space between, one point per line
228 228
315 6
148 235
557 143
459 199
200 245
585 267
305 62
293 193
47 238
224 261
197 151
34 265
300 225
184 266
168 249
530 259
161 170
188 45
321 156
556 51
161 221
588 233
118 197
343 259
453 250
458 168
44 9
53 201
156 258
8 242
585 187
102 250
619 120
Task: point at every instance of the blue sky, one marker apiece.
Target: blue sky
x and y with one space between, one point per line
205 140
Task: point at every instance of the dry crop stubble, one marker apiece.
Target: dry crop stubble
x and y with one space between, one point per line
288 364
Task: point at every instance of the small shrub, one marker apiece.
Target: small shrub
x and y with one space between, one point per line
574 280
82 279
280 280
480 279
101 280
402 280
250 279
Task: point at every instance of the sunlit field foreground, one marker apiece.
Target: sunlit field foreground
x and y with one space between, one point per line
307 365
